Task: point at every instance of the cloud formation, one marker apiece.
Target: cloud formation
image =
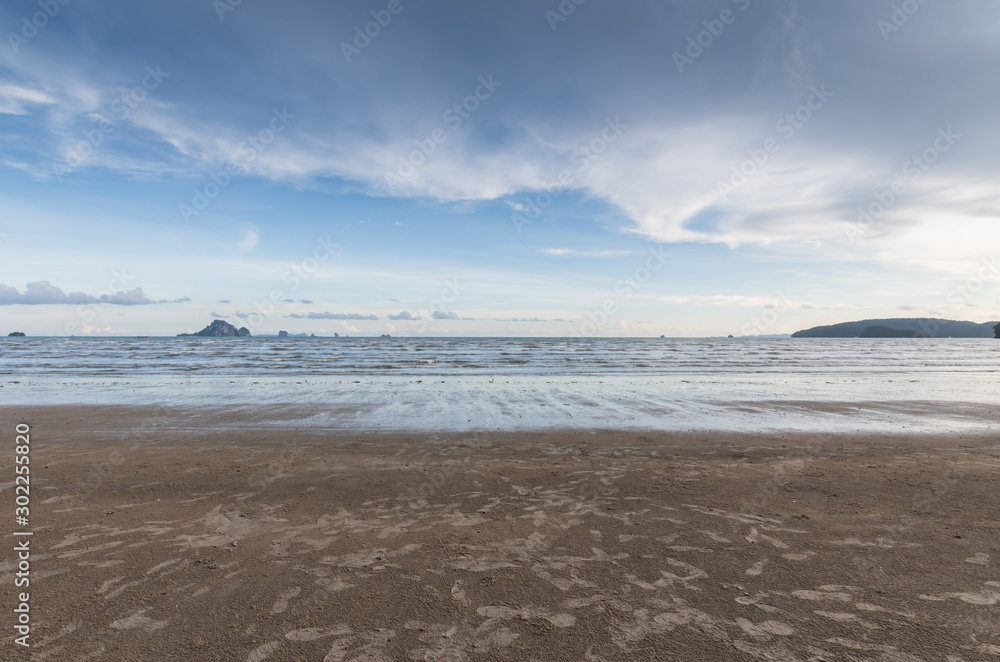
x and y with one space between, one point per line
332 316
571 252
45 293
16 100
250 239
787 122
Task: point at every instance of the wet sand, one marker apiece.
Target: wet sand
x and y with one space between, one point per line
164 534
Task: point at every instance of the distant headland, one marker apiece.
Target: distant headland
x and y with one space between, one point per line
912 327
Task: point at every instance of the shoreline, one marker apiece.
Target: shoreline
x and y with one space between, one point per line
154 538
803 403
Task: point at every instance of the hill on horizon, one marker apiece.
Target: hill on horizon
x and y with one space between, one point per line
906 327
219 329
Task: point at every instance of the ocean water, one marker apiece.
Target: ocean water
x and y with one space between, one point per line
933 385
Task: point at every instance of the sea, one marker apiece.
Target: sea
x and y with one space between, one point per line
511 384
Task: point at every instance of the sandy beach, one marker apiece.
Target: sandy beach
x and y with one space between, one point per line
161 534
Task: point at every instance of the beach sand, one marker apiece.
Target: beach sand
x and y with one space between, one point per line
170 534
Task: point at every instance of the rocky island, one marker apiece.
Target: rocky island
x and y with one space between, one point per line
15 334
219 329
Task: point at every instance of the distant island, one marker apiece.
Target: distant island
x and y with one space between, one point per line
911 327
286 334
877 331
219 329
15 334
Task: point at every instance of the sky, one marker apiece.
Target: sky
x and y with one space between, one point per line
458 168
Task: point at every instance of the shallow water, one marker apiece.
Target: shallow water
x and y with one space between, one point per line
501 383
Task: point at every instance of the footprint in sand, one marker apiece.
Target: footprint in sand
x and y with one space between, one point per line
756 601
766 629
369 646
835 592
987 597
458 593
528 613
312 634
261 653
798 557
447 642
839 616
716 537
139 620
161 566
861 646
756 535
282 602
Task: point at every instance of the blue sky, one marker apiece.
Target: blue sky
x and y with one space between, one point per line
487 168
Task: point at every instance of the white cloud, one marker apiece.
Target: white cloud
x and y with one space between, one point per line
559 252
332 316
43 292
663 177
250 239
734 300
15 99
